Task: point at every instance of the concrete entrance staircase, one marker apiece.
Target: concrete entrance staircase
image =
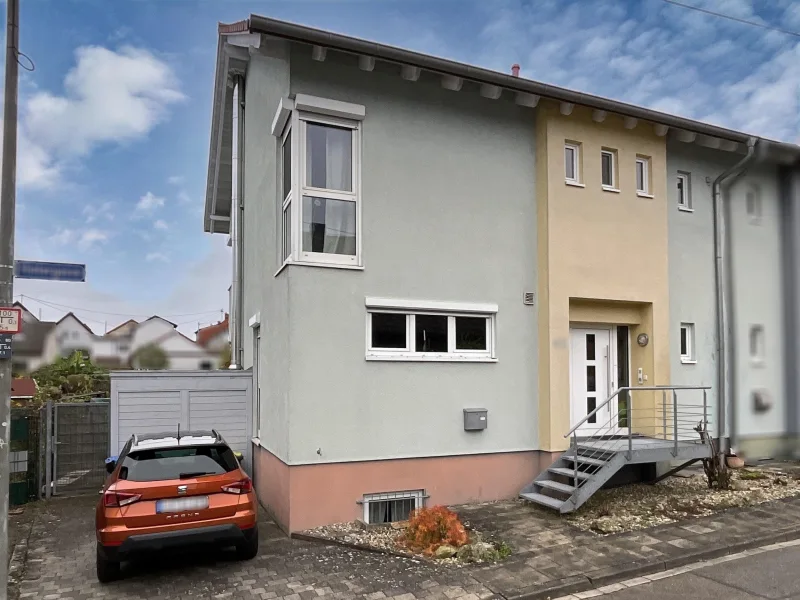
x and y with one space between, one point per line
592 461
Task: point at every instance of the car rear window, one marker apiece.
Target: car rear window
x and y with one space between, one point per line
174 463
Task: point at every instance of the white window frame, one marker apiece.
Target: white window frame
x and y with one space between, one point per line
576 153
411 311
688 357
757 357
644 191
301 119
257 380
286 202
612 187
685 205
417 495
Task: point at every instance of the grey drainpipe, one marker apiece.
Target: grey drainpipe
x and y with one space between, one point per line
723 289
236 224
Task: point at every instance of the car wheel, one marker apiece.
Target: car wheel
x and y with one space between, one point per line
107 570
249 547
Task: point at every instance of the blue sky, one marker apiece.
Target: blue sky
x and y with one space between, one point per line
114 121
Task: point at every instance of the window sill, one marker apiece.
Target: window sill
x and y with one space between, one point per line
608 188
574 183
430 358
299 263
685 209
645 195
688 361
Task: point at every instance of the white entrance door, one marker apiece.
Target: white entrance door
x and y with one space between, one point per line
591 378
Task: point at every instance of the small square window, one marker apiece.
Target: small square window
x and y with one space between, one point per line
572 162
757 343
388 331
608 163
684 182
431 333
643 175
329 154
329 226
471 333
687 343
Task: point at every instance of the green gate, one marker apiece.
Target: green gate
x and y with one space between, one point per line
23 456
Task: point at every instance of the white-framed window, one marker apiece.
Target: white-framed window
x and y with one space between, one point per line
756 343
572 163
319 196
753 204
608 169
329 209
257 381
391 507
419 332
684 187
286 194
643 175
687 343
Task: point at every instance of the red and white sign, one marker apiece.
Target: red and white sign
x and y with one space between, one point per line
10 320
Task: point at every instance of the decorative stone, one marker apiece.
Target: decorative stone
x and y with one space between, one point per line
445 551
734 462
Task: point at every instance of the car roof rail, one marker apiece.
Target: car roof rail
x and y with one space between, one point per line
216 435
135 439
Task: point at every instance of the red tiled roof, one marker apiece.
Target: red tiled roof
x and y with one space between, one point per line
206 334
23 387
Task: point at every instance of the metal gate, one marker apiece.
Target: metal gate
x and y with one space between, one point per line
24 454
80 447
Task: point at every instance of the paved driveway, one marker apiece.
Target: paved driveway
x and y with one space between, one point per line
61 564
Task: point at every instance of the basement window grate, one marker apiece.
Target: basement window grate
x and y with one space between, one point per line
391 507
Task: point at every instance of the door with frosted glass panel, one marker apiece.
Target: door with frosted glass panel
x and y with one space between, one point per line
590 379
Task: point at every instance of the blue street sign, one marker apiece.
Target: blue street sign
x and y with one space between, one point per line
32 269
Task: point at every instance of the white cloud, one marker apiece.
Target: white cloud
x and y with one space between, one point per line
84 239
109 97
665 57
160 224
156 257
175 179
96 212
184 197
149 203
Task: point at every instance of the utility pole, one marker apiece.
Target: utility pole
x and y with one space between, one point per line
8 198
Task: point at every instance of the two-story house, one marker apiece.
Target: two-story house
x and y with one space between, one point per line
441 271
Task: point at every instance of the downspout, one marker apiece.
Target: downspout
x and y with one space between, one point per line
237 214
723 289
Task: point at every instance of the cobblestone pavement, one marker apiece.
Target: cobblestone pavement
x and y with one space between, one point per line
547 554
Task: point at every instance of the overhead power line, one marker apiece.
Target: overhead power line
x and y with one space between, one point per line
56 305
732 18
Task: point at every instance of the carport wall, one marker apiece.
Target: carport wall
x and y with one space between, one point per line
448 214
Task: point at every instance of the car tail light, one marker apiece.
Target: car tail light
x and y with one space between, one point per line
244 486
116 499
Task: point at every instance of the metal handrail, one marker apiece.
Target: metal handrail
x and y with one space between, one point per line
651 388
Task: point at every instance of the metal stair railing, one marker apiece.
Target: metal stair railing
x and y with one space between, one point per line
675 425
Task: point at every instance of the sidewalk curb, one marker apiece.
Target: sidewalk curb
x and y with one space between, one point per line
16 566
614 574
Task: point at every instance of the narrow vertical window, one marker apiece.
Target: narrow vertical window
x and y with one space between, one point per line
643 175
687 343
572 162
753 204
286 193
608 164
757 343
684 191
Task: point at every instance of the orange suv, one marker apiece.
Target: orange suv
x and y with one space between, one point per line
171 490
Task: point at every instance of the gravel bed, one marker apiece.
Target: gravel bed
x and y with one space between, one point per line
675 499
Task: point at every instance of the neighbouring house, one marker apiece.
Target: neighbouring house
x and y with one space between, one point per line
215 338
69 334
182 353
28 344
441 272
23 389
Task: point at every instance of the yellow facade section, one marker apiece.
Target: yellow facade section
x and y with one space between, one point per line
602 255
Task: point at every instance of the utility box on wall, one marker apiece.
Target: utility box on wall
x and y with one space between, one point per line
475 419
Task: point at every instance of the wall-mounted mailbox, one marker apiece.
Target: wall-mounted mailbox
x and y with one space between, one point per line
475 419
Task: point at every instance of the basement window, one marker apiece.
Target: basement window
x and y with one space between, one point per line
391 507
687 343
